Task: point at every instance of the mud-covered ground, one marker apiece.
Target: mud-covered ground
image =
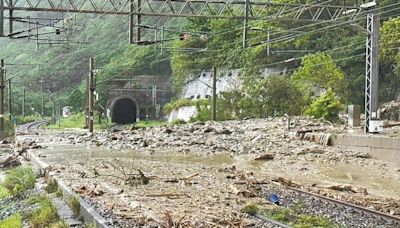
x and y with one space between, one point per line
204 174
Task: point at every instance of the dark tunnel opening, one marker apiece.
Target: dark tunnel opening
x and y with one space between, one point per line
124 111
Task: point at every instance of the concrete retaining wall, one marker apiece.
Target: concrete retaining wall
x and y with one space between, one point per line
379 147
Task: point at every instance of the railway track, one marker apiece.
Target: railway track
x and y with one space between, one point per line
360 209
341 206
31 126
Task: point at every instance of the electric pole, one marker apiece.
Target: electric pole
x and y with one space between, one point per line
23 102
372 65
9 99
41 88
214 94
2 96
245 22
90 95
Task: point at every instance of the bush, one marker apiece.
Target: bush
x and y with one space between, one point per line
326 106
19 179
4 192
44 215
14 221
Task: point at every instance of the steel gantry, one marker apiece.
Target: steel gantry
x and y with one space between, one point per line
230 9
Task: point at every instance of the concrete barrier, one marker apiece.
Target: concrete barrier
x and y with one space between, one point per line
379 147
87 212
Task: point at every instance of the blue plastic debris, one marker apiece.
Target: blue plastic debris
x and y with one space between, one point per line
273 198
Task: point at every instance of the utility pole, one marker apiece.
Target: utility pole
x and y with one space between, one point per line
10 15
214 94
138 20
9 99
245 22
131 21
41 88
2 70
162 38
23 102
90 95
1 18
372 67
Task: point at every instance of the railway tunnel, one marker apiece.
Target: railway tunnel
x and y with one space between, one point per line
124 110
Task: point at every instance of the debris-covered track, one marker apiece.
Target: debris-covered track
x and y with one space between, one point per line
31 126
363 210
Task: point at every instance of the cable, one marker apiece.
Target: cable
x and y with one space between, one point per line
324 28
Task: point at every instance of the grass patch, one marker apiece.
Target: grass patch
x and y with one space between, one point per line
91 225
75 205
297 219
52 187
4 192
14 221
171 106
45 214
78 120
59 193
60 224
250 209
19 179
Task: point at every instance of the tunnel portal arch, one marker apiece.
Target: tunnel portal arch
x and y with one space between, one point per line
124 110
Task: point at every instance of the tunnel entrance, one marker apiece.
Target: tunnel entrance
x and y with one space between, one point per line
124 111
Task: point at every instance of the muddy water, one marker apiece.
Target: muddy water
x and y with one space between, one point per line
76 153
320 174
374 182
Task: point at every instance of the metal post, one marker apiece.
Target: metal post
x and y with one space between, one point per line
162 38
214 94
131 21
268 51
1 18
9 99
138 20
372 68
245 21
41 88
2 96
23 102
91 91
10 16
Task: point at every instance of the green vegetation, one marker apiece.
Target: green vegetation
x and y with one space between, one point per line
14 221
250 209
78 120
75 205
297 219
60 224
326 106
4 192
91 225
291 216
169 107
19 179
52 187
45 214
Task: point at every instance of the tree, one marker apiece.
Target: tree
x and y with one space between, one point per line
318 70
326 106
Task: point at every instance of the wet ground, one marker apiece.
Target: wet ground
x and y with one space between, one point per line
199 186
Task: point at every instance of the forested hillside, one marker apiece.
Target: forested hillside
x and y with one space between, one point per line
327 55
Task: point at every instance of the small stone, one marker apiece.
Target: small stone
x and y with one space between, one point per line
266 156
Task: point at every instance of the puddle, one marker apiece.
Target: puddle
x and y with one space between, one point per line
81 154
361 176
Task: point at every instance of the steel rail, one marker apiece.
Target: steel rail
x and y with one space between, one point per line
357 208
